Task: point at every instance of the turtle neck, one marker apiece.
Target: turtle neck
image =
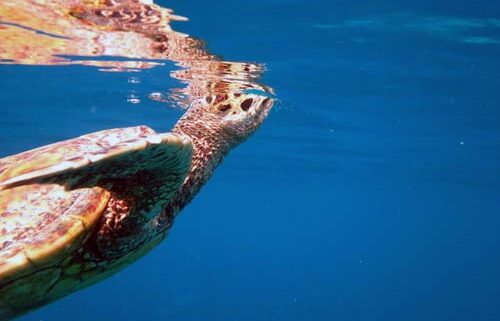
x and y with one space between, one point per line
210 145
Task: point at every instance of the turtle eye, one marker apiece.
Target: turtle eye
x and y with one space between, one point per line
246 104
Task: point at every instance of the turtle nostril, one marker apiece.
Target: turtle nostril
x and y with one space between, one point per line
246 104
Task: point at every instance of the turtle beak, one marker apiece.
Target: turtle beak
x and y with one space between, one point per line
259 113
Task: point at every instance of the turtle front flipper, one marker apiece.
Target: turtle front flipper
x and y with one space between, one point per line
99 159
139 167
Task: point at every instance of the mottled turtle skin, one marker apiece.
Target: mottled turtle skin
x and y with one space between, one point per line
78 211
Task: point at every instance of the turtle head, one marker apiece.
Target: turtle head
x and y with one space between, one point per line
241 115
229 117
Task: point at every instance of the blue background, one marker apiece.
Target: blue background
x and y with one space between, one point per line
370 193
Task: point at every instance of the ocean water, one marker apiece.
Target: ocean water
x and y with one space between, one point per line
371 192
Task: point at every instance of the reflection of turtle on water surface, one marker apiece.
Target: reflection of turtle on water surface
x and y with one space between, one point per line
75 212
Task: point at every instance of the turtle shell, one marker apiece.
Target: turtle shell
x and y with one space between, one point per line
52 197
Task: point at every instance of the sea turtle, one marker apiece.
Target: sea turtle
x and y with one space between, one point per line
77 211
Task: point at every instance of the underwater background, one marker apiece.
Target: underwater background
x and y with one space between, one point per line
371 192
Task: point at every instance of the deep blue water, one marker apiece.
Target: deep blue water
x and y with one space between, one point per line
371 192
